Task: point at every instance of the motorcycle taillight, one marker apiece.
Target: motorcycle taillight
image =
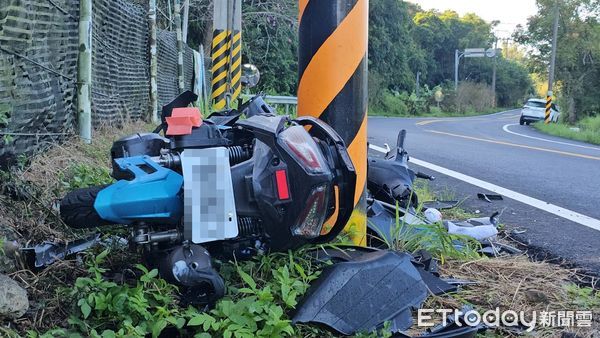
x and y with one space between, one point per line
310 221
306 151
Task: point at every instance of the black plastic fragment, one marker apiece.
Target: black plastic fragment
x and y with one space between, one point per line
436 285
440 205
489 197
450 331
454 328
424 258
360 295
495 249
339 253
47 253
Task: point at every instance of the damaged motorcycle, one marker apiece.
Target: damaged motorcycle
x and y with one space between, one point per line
237 183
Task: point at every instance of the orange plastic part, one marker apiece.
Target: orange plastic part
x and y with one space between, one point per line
182 120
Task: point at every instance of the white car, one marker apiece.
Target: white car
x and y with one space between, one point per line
535 110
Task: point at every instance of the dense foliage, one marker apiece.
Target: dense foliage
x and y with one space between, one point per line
577 72
403 40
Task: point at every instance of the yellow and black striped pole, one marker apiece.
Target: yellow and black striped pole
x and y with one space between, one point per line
548 107
332 84
236 64
226 53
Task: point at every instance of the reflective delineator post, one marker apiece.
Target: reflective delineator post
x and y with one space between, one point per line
332 84
548 107
226 52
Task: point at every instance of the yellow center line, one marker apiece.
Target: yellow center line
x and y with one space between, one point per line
508 117
424 122
517 145
455 119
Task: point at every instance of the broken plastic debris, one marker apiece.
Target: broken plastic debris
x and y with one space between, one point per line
489 197
440 205
495 249
182 120
478 232
47 253
433 215
362 294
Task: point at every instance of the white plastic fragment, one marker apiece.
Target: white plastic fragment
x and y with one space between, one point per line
480 232
433 215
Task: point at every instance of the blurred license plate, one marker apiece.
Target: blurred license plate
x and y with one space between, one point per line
209 204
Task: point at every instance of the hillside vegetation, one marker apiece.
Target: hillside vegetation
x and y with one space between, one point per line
403 40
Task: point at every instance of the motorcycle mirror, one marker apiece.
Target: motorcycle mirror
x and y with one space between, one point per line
250 75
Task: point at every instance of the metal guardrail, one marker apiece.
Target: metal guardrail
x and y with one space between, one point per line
276 101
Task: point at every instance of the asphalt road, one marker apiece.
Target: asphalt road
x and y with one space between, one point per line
551 186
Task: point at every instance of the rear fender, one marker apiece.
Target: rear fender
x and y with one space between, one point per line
153 195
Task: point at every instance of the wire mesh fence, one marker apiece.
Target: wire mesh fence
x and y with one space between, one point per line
38 71
38 68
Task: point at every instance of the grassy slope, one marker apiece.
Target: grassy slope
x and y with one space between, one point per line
589 130
435 113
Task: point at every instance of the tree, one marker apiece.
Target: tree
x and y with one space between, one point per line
440 34
393 52
269 39
577 70
403 40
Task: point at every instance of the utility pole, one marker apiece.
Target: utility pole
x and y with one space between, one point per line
456 59
552 63
332 56
494 71
418 82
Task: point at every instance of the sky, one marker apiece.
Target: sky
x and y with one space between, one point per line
510 13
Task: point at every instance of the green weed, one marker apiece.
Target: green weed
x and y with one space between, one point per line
123 310
584 298
261 293
107 309
83 175
589 130
433 238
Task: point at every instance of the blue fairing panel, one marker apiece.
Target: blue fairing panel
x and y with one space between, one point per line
153 195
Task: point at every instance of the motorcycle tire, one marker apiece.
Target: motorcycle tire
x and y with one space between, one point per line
77 209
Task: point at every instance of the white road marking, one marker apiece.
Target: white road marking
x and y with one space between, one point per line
534 202
505 128
380 149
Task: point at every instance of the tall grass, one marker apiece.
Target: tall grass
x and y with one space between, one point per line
589 130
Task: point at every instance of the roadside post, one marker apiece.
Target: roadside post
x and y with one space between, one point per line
84 72
548 107
226 53
332 83
153 109
471 53
552 63
177 17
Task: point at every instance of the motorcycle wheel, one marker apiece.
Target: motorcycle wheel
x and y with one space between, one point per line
77 209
